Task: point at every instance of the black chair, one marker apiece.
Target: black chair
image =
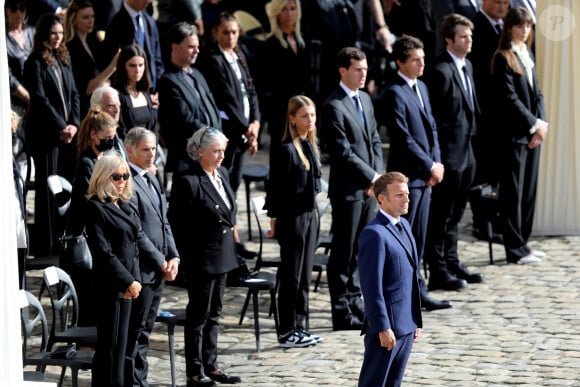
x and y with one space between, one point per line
259 280
32 316
323 241
65 311
252 173
486 196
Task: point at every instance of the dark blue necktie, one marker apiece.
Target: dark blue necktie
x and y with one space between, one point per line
140 38
404 235
358 105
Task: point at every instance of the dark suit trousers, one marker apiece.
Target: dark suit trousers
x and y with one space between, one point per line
297 238
144 311
203 311
381 367
348 220
112 327
448 201
517 195
418 216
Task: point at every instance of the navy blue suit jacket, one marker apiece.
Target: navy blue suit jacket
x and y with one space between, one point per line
389 278
412 132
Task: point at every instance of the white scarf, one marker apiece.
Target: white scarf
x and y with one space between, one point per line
524 55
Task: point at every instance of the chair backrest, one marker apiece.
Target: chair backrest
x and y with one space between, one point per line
258 210
63 299
60 190
32 315
250 25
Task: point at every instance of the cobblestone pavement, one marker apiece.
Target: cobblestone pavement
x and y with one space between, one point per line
518 328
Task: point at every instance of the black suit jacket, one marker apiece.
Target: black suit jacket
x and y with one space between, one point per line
180 114
453 112
121 32
412 132
227 92
355 150
153 214
518 103
46 117
117 245
202 223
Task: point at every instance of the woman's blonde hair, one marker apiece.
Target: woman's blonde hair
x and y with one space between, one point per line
294 104
274 9
101 185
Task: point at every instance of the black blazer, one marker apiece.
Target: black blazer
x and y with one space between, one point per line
121 32
453 112
84 66
412 132
117 244
46 117
180 114
356 153
517 103
155 224
227 92
292 189
202 224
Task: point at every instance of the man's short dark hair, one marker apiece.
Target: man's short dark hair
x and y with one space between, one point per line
178 32
404 45
451 21
346 54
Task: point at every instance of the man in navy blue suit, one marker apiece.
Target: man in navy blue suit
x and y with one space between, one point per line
414 149
389 277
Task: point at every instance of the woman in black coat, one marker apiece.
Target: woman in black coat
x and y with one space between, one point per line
291 205
202 214
522 129
52 122
116 241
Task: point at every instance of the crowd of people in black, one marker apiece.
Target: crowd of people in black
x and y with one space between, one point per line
98 89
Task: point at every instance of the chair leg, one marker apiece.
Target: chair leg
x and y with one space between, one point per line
490 241
245 307
256 318
317 282
171 337
247 183
274 308
63 373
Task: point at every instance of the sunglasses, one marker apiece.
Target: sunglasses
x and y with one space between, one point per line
119 176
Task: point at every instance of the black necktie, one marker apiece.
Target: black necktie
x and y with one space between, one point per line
152 188
498 28
416 90
404 235
468 89
358 105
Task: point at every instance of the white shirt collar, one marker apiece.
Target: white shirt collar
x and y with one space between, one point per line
347 90
409 81
391 218
491 21
459 62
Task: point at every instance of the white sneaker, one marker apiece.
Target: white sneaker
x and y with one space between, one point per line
538 253
295 339
308 334
530 258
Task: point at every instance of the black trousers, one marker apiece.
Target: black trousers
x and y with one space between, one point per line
206 292
297 239
517 195
348 220
448 202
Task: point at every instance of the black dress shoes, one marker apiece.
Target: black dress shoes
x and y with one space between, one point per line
446 281
224 378
433 304
348 323
461 272
201 381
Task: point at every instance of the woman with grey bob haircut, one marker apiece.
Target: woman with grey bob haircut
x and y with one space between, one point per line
203 138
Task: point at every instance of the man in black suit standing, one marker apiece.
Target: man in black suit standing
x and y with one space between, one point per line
187 103
356 161
151 205
132 24
455 110
487 24
414 149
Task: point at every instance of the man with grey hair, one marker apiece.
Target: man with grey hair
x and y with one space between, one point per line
151 205
108 99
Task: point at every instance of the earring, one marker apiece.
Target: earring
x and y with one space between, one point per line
293 124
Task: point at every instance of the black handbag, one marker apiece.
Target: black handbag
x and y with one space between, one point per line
75 252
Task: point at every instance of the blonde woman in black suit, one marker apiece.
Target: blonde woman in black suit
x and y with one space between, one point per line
522 130
117 244
202 214
291 204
